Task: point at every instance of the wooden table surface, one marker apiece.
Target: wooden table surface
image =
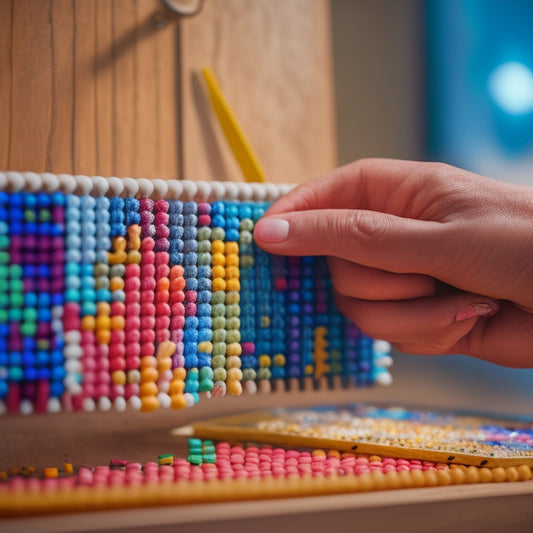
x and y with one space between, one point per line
94 438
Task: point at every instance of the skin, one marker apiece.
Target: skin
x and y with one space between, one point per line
432 258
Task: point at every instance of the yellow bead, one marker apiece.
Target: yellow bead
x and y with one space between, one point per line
218 259
134 257
149 403
232 272
231 248
68 468
88 323
233 349
218 272
217 247
51 472
279 360
205 347
234 388
234 374
177 401
265 322
118 377
233 362
265 361
232 260
233 285
218 284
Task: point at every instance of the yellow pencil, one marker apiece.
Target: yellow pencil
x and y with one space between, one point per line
239 145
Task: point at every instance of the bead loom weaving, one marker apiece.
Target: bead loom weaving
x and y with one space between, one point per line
122 292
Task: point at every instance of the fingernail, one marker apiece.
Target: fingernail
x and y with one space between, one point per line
272 230
477 310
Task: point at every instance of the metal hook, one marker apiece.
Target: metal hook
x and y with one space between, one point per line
182 11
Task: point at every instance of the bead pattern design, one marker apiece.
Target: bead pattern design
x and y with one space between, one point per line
109 302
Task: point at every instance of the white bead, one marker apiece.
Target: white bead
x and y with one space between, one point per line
131 187
34 182
250 386
245 192
26 407
15 181
160 189
50 182
382 346
189 190
84 185
135 403
145 188
115 186
120 404
164 400
104 403
231 190
175 189
88 405
189 399
204 191
384 378
259 192
73 366
53 405
100 186
385 361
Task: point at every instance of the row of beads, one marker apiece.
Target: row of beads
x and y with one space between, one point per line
92 288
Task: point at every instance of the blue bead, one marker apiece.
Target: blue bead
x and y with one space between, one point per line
30 200
72 269
17 199
245 211
190 208
72 295
102 295
56 357
232 235
15 358
191 361
4 197
16 228
190 259
175 230
189 348
3 388
203 310
218 208
175 206
191 284
203 297
204 360
58 198
4 360
232 222
30 373
205 322
189 271
4 218
191 322
44 315
58 373
43 300
205 335
189 233
190 246
102 203
204 284
56 389
218 221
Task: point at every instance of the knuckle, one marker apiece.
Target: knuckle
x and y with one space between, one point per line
363 227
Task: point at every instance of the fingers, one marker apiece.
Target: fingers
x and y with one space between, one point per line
357 281
386 185
432 325
369 238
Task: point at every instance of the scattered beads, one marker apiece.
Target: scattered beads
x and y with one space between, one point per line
117 302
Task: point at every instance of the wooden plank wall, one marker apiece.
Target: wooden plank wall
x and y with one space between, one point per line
97 87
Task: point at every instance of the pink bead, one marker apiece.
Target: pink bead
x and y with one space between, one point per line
147 323
148 348
147 244
204 220
147 284
162 271
133 362
162 335
132 284
190 309
191 296
132 270
102 390
133 350
161 258
133 296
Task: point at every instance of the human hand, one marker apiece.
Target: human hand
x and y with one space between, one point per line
432 258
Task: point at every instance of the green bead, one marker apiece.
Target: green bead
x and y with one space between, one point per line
4 316
220 374
15 314
4 258
233 310
45 215
245 237
218 297
17 285
233 323
192 374
17 300
219 348
210 458
248 374
217 234
232 297
117 270
195 459
246 224
4 286
101 269
43 344
219 322
28 329
203 259
15 271
29 315
101 282
29 215
194 442
204 234
232 336
219 335
263 373
205 385
205 373
4 272
218 310
4 242
218 362
246 261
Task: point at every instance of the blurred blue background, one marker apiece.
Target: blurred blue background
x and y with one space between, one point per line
445 80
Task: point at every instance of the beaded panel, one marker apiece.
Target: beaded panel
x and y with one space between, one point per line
147 294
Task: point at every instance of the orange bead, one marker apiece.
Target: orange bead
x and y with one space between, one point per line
103 336
177 284
231 248
148 361
117 322
164 364
149 403
176 386
233 285
218 284
166 349
234 374
118 377
232 260
149 374
218 272
176 272
179 373
103 308
217 247
116 284
177 401
218 259
88 323
163 284
234 388
149 388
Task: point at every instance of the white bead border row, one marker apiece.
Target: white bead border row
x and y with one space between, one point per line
199 191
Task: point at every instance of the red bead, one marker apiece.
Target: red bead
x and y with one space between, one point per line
148 348
176 297
148 284
162 271
132 270
133 349
204 220
162 309
147 244
117 363
162 322
161 258
147 323
177 322
133 362
132 284
132 323
117 350
118 309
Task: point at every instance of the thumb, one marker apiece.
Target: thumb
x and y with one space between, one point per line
369 238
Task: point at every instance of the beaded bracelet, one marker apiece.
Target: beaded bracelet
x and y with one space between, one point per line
122 292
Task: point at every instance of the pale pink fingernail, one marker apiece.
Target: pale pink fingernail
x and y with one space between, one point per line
477 310
272 230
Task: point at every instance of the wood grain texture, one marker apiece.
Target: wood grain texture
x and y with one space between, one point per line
273 61
81 88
